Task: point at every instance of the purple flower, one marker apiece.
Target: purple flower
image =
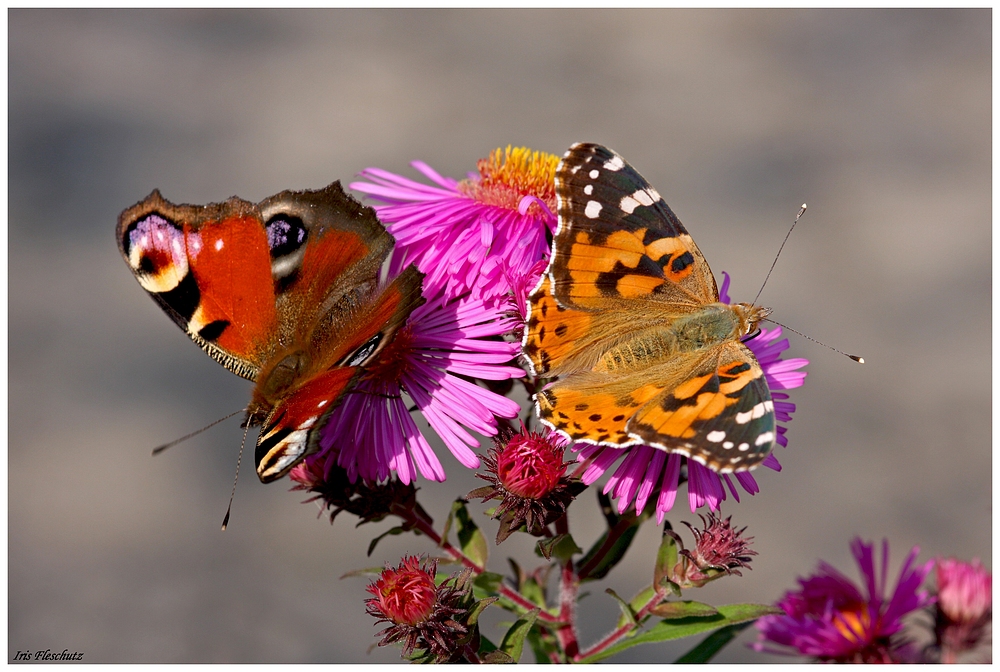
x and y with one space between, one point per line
470 235
831 619
647 472
444 342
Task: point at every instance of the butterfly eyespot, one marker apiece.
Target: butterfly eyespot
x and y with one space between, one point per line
286 240
362 354
155 249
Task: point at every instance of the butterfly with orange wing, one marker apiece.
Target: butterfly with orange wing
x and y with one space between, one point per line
628 321
285 293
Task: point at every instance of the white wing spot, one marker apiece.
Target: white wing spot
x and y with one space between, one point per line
744 446
766 437
218 244
589 189
654 194
593 174
744 418
758 410
728 444
643 197
593 209
614 163
322 403
716 436
628 205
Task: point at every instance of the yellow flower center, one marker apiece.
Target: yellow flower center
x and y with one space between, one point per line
854 625
507 176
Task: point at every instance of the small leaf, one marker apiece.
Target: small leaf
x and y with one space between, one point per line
486 646
533 591
513 641
488 583
543 646
393 532
683 609
478 609
498 658
711 645
662 631
470 539
480 493
367 571
666 557
561 546
627 610
635 604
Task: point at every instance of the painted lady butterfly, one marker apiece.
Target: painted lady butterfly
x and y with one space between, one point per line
627 319
285 292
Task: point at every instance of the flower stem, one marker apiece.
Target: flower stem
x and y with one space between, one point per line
612 638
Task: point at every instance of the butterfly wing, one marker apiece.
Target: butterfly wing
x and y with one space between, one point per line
617 238
240 278
294 426
721 415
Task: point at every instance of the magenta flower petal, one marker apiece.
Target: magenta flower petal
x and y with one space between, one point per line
831 619
473 235
372 433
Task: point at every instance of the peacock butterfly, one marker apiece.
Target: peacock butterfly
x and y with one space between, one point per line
285 293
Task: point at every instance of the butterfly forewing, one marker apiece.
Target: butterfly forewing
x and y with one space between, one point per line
618 238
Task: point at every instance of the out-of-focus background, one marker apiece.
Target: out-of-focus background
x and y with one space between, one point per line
879 120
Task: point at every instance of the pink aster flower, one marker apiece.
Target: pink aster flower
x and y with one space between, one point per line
831 619
964 607
647 472
474 234
444 343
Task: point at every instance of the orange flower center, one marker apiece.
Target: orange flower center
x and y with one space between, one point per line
507 177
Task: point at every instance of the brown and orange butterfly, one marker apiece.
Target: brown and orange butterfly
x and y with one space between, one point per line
628 321
285 292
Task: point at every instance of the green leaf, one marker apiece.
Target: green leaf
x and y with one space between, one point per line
394 532
486 646
729 614
470 539
544 646
478 609
513 641
487 583
533 591
672 611
367 571
627 612
561 546
666 558
497 658
711 645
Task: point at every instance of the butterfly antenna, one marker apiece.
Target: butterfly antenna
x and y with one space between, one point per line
859 360
160 449
229 509
802 211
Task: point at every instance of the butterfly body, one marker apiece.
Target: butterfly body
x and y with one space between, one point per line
285 293
627 320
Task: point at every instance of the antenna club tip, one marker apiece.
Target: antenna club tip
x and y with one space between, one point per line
859 360
803 206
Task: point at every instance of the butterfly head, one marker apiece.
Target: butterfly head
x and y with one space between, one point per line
749 316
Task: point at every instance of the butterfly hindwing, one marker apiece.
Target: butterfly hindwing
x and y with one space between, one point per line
293 427
720 415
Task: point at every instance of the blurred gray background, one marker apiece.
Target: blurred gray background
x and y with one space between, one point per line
879 120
